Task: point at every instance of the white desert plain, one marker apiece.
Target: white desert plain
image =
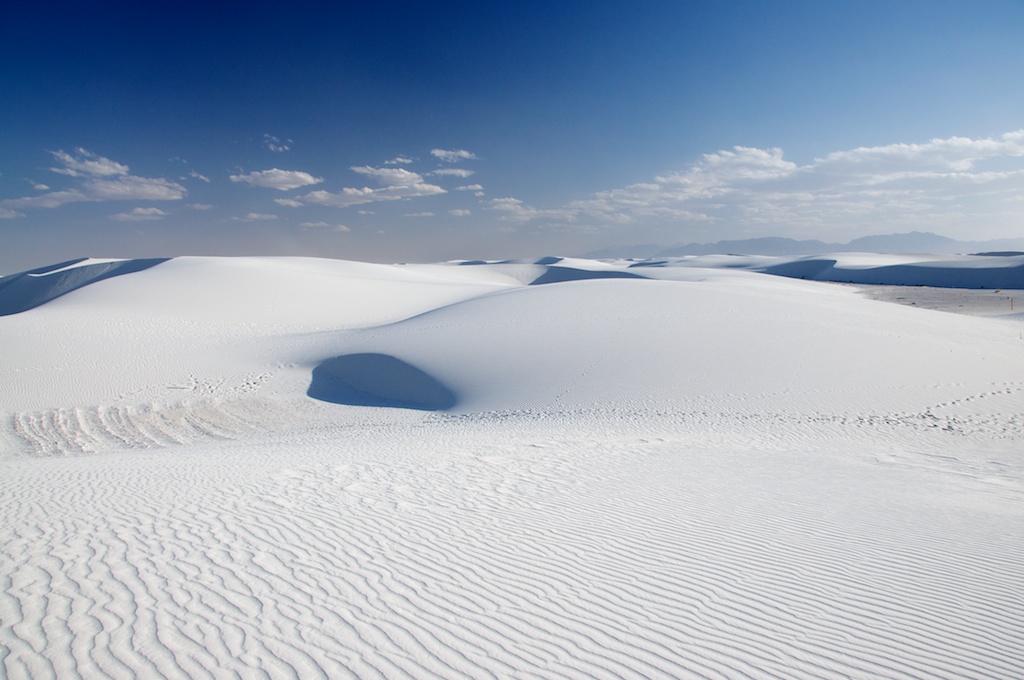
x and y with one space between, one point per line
699 467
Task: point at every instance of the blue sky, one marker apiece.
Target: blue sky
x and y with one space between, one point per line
427 131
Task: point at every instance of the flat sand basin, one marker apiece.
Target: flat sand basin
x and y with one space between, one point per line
973 302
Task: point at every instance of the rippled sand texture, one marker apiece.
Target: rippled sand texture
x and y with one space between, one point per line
721 475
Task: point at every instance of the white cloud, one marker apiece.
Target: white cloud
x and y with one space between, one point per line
199 206
37 186
344 198
506 204
99 179
276 144
453 155
140 214
54 199
453 172
255 217
390 176
340 228
398 160
196 175
956 154
460 212
419 214
275 178
516 211
6 214
398 183
470 187
395 184
85 163
941 184
131 188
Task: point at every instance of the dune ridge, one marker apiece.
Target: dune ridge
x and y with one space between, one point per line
28 290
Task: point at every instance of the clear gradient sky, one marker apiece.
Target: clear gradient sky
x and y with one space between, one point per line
400 131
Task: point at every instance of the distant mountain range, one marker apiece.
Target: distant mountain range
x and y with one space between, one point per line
912 242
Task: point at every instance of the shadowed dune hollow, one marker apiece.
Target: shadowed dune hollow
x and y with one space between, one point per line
378 380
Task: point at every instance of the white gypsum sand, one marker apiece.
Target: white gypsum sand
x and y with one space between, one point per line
294 467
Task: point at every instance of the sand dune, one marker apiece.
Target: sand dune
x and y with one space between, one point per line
291 467
993 270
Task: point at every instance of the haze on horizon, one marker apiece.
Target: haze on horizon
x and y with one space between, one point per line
462 130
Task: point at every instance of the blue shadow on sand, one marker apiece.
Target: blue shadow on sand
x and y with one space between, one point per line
28 290
567 274
378 380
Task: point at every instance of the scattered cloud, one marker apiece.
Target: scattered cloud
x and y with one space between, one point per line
350 196
931 185
255 217
275 178
344 198
276 144
140 214
86 163
453 155
396 184
54 199
340 228
945 183
955 154
514 210
390 176
130 188
453 172
98 179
